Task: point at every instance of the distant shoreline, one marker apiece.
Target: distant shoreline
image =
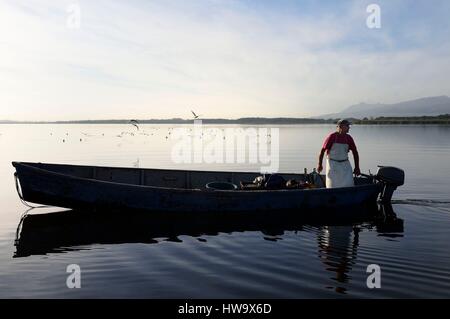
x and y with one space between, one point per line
441 119
184 121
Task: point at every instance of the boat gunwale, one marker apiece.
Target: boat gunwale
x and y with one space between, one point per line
14 163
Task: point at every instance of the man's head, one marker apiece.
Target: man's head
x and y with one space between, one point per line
343 126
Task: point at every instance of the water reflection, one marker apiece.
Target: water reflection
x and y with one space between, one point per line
337 240
338 245
337 250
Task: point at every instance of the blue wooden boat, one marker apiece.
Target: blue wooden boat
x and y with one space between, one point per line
161 190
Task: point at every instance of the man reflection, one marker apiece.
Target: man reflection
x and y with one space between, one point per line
337 245
337 250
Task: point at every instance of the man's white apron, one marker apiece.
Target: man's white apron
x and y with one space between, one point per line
339 170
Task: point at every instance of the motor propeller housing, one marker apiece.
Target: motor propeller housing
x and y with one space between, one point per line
391 177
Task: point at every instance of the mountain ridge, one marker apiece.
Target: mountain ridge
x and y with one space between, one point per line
425 106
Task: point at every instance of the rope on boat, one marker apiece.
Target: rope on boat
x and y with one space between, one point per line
19 227
16 179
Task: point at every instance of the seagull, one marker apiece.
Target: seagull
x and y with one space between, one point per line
135 123
195 115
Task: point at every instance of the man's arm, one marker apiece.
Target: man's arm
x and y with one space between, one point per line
326 145
354 150
319 165
356 171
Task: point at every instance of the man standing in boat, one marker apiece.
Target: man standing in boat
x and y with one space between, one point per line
337 145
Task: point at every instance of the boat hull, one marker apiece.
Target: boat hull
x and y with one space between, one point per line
47 187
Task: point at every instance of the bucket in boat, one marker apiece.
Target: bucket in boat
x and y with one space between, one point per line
223 186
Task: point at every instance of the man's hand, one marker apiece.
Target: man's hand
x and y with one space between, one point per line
319 167
356 171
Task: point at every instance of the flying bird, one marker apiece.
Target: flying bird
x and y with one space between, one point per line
195 115
135 123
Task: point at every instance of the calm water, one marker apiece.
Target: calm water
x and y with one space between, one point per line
139 257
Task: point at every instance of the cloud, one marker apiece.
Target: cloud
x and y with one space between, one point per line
228 58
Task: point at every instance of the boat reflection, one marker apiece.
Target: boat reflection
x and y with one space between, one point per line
70 230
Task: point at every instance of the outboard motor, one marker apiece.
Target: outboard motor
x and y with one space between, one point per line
391 177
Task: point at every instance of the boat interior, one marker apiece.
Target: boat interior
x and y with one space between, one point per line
182 179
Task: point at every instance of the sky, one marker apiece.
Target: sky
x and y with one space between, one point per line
110 59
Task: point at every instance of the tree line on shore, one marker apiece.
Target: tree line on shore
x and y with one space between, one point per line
440 119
